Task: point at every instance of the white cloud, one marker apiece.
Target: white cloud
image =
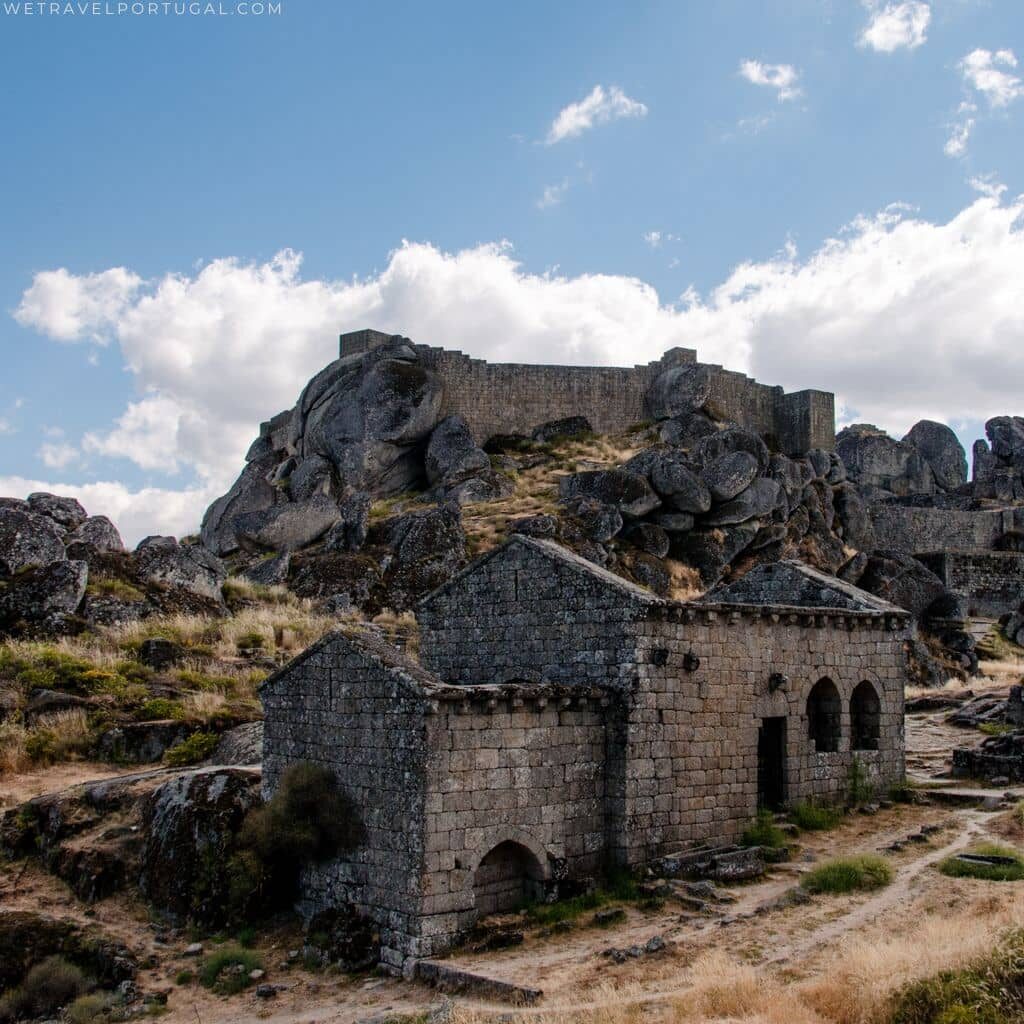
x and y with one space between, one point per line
138 514
6 427
72 307
552 195
782 78
987 185
897 26
142 433
599 107
905 318
57 454
984 71
653 238
959 135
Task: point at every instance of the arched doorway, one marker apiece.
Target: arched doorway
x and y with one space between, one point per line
824 716
865 713
508 876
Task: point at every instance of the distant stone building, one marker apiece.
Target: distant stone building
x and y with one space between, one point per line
504 398
562 721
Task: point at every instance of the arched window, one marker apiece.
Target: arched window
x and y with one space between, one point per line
865 711
508 876
824 711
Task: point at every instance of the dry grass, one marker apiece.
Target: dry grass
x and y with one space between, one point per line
203 704
685 581
14 756
536 489
854 984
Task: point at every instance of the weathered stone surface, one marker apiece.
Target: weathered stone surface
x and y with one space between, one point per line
287 527
681 390
675 522
901 580
349 533
941 449
67 513
536 526
875 460
241 745
429 547
598 522
487 485
311 477
650 538
759 500
567 426
628 492
732 439
99 533
190 824
711 551
1006 433
729 474
251 492
39 594
164 560
141 742
452 454
159 652
46 702
650 571
853 515
686 430
675 481
269 572
27 539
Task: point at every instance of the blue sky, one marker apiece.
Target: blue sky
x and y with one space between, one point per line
690 200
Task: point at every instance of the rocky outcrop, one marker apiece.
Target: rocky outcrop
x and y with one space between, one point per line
187 567
43 598
27 539
190 826
939 447
999 465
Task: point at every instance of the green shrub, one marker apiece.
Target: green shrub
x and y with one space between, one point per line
308 819
195 748
814 817
226 970
47 987
158 708
251 641
764 832
568 909
247 938
185 977
956 868
862 872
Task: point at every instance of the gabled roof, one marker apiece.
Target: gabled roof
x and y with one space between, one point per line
796 584
554 552
399 666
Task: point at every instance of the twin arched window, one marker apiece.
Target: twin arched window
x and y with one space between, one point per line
824 716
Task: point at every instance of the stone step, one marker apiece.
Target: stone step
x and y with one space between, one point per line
446 977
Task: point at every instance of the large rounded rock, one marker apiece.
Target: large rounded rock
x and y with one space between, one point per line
562 429
732 439
349 533
67 513
681 390
190 567
857 527
429 547
287 527
597 521
679 485
452 453
311 477
686 430
251 492
27 539
241 745
650 538
99 533
628 492
711 551
190 824
39 594
875 460
941 449
486 485
901 580
729 474
1007 436
759 501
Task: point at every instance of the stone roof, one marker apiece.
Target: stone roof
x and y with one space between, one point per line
558 554
795 584
398 664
